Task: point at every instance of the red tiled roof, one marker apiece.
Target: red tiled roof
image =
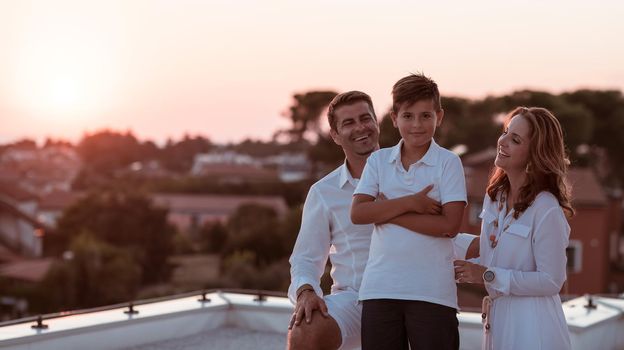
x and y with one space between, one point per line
27 270
585 187
216 203
15 192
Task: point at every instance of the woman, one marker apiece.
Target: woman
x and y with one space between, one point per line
524 235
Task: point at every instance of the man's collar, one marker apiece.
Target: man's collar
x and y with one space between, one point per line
345 175
430 158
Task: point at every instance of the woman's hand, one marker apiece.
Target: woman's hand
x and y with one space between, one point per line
467 272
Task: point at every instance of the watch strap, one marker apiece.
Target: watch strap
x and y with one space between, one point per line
304 289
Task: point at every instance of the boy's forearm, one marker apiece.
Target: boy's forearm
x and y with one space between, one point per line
430 225
376 212
443 225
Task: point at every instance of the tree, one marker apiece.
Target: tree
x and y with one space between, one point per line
305 113
326 151
106 151
254 228
96 274
213 237
289 229
576 120
388 134
24 144
179 156
607 111
125 219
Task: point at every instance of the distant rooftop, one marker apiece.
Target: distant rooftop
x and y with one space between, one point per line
14 192
224 204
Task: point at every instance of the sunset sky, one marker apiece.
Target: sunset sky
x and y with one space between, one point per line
228 69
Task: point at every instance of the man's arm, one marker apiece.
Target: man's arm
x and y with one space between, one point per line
366 210
311 250
307 262
444 225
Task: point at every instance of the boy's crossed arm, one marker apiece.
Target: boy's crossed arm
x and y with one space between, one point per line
446 224
366 210
416 212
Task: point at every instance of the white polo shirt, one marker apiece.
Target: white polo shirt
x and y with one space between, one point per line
403 264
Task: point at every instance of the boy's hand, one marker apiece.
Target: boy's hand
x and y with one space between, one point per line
423 204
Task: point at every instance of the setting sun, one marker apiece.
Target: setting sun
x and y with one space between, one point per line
64 68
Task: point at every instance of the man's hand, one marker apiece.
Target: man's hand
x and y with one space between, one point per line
423 204
307 302
473 248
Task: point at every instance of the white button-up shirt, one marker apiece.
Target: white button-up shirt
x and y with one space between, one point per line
327 232
403 264
529 262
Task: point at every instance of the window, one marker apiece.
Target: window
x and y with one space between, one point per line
574 252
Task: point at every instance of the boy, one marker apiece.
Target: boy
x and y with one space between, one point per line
408 288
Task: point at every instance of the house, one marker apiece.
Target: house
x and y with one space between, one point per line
20 230
21 246
189 212
595 229
292 167
52 205
40 170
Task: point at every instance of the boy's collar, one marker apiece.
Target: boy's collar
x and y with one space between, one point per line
430 158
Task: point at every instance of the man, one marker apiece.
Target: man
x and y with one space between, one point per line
333 321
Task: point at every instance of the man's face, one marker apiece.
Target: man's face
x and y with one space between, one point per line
356 131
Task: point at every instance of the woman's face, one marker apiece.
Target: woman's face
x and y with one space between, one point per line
513 146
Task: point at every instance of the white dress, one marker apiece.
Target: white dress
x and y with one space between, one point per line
529 261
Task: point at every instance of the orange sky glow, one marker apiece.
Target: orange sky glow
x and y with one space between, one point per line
228 69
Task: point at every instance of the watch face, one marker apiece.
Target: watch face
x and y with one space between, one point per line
488 276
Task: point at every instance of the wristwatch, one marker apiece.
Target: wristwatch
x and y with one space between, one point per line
489 276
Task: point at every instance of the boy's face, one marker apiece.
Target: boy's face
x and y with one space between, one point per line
417 123
356 131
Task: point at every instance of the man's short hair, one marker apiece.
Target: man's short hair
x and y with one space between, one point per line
347 98
414 88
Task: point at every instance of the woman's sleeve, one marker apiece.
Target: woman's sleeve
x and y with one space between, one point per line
549 243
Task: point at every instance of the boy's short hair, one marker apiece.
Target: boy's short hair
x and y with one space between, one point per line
347 98
414 88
